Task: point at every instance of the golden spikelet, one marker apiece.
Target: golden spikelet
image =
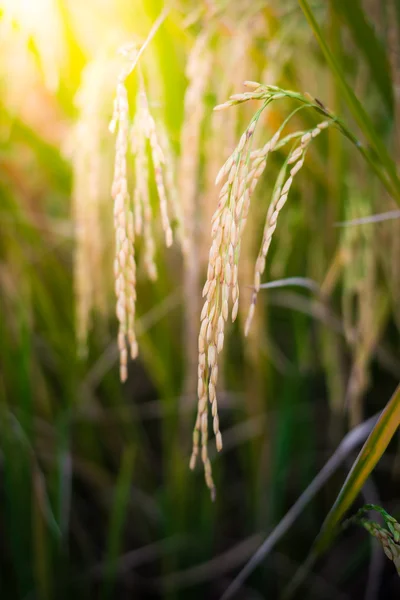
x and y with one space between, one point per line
158 160
198 70
220 287
296 158
87 162
124 263
235 54
172 189
134 216
241 172
143 213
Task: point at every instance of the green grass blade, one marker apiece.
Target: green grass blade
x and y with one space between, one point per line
368 457
118 518
40 540
370 454
357 109
349 442
369 44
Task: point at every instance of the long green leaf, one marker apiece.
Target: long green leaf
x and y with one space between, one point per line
371 452
369 44
369 455
354 103
118 515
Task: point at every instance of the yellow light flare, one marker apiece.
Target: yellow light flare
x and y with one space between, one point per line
35 27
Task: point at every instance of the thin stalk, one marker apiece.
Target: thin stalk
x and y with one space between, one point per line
156 25
349 135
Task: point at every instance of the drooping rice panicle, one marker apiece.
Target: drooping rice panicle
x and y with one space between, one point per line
86 155
138 147
222 279
126 220
242 172
142 204
198 70
172 190
135 217
221 284
124 264
278 201
158 160
83 281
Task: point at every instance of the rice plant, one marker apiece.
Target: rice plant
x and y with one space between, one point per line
199 227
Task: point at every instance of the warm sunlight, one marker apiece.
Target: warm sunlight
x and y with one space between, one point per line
35 27
199 299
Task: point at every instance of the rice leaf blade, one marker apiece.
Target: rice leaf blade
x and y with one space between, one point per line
118 515
369 44
368 457
354 103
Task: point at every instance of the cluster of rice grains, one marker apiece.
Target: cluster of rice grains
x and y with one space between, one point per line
90 178
135 217
198 70
242 172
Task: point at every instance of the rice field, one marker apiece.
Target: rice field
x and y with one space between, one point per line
200 299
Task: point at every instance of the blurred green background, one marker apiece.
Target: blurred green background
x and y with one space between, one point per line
96 497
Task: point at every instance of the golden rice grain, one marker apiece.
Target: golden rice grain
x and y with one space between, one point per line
135 217
278 201
242 171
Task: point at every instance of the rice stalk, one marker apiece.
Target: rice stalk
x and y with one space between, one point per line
242 172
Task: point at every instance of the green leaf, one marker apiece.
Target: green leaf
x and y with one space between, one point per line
369 44
370 454
354 104
118 515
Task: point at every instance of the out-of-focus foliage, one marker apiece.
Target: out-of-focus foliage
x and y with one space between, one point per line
96 497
